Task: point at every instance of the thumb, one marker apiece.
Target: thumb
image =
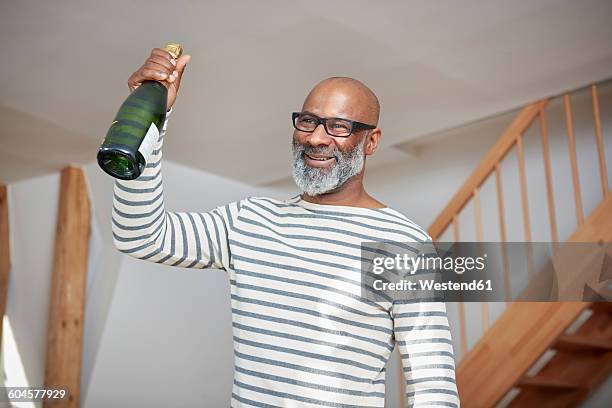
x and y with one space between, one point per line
181 63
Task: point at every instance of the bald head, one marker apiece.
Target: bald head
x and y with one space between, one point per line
343 97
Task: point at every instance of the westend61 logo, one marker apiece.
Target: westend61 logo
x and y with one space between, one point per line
486 271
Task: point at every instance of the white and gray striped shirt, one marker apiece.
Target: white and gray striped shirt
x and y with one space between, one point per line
303 335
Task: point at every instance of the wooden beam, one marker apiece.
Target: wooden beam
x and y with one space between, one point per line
5 253
65 325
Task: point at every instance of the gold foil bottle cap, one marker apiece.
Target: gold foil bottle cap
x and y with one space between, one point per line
174 49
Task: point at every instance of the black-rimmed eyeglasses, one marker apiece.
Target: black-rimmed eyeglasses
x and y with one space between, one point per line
308 122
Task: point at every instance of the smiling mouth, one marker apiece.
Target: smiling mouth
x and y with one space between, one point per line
319 161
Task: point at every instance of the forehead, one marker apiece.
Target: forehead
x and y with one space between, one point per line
336 101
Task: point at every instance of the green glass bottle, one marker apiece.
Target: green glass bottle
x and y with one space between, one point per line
132 135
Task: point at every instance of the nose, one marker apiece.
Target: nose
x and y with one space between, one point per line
319 137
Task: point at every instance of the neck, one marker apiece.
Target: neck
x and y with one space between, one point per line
352 193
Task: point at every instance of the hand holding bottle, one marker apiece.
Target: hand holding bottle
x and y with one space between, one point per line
132 136
161 67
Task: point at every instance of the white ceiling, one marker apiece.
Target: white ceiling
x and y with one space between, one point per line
434 65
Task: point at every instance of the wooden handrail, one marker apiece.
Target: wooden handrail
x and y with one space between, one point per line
486 166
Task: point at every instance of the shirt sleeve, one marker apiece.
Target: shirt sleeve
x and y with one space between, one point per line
144 229
423 336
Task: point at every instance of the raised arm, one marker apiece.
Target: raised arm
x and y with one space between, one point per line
142 228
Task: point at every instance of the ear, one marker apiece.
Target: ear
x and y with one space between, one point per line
372 141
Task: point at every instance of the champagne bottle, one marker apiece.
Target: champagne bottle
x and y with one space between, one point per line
132 135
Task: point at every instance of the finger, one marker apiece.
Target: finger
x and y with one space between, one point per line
161 53
162 61
145 74
159 67
181 63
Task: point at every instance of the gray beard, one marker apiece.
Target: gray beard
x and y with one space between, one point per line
314 180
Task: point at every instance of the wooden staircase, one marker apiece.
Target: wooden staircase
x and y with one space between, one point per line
582 361
527 330
571 342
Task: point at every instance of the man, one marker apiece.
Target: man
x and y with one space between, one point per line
303 335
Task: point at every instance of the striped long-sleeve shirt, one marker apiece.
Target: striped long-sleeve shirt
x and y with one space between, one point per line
303 336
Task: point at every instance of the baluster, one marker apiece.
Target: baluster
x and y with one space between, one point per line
571 141
502 231
524 202
548 173
460 304
600 146
484 306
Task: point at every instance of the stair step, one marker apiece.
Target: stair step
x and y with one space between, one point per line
543 382
580 343
604 307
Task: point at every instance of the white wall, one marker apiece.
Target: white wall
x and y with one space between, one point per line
32 215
